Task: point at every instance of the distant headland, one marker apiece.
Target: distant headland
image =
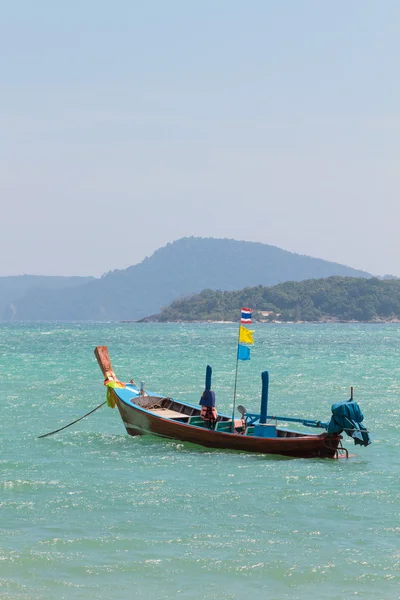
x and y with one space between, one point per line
196 278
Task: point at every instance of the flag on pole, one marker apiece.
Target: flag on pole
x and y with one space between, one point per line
245 335
246 315
243 352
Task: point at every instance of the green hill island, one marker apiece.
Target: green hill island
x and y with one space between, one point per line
331 299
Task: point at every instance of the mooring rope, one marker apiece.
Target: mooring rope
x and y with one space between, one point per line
73 422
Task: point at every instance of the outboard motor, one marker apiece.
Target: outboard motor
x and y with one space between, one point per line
347 417
207 401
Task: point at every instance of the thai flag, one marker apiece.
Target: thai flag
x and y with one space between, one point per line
246 315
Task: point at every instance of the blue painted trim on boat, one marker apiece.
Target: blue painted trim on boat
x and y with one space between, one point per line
253 418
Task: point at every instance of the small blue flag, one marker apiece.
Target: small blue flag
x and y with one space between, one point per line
243 352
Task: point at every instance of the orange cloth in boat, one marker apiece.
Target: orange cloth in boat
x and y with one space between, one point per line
208 413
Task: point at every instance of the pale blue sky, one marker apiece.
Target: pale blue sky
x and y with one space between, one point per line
125 125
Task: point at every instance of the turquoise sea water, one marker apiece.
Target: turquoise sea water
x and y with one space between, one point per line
93 513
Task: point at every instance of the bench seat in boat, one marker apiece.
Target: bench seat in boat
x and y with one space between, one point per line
165 413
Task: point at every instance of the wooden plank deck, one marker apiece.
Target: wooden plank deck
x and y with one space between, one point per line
166 413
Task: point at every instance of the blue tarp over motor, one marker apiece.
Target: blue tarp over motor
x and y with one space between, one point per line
347 417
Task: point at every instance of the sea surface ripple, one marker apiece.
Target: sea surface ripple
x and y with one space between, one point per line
93 513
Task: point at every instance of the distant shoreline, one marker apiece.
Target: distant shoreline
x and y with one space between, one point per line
274 322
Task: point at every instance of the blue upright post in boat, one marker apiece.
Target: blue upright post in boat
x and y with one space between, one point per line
264 397
262 429
208 378
208 397
207 401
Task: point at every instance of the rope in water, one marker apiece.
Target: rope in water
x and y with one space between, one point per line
73 422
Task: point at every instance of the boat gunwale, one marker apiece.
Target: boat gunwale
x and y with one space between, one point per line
132 405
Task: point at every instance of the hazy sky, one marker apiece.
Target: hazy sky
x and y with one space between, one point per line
125 125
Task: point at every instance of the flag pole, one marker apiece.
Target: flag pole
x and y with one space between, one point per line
236 375
245 317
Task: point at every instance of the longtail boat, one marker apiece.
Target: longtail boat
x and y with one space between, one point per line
144 412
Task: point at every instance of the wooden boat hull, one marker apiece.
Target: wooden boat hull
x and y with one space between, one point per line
138 421
144 413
